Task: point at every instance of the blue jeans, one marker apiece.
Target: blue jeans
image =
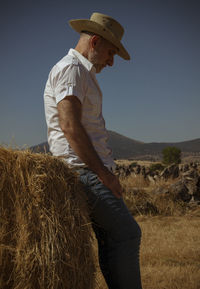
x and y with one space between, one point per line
117 233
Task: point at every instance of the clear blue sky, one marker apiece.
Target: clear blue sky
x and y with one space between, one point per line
154 97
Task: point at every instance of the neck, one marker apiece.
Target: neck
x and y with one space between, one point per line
83 46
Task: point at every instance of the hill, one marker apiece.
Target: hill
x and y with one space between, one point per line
126 148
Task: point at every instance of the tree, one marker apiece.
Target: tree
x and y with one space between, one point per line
171 155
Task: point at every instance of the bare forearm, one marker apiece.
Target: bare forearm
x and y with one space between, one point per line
70 122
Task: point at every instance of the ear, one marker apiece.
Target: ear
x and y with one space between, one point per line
94 40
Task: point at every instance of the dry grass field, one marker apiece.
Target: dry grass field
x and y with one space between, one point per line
170 252
170 248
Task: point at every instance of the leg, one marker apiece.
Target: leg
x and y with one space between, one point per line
117 233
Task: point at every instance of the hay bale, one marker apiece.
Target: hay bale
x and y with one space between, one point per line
45 234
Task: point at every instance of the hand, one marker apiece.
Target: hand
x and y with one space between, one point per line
112 183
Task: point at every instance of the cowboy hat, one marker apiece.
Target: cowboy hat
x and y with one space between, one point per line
104 26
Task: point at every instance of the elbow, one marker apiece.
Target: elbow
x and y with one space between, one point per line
65 127
68 129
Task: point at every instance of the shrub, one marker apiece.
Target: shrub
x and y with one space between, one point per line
133 165
171 155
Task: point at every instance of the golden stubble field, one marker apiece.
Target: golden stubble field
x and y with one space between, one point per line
170 252
170 247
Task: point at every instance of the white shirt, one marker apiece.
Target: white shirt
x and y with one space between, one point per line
75 75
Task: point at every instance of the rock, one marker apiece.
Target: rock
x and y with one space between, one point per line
193 165
192 181
180 191
143 171
170 172
151 179
197 192
137 169
185 168
190 174
187 188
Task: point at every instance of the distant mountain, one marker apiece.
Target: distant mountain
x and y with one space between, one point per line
126 148
186 146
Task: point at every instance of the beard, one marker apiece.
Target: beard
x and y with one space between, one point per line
99 67
94 59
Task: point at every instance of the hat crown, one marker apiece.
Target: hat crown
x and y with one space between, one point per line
108 23
106 27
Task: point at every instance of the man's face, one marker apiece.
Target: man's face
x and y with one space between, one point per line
102 54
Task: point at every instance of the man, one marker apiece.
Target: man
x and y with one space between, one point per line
77 134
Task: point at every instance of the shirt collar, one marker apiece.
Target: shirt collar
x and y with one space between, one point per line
88 65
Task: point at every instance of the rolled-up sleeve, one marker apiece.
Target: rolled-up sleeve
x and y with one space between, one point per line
69 82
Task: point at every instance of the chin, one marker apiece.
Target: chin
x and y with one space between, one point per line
99 69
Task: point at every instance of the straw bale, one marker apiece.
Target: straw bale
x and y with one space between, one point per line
45 232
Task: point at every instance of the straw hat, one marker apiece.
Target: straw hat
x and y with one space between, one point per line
104 26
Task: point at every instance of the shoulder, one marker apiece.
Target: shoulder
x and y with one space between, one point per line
66 62
68 65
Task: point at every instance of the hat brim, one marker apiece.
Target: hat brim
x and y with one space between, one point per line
87 25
